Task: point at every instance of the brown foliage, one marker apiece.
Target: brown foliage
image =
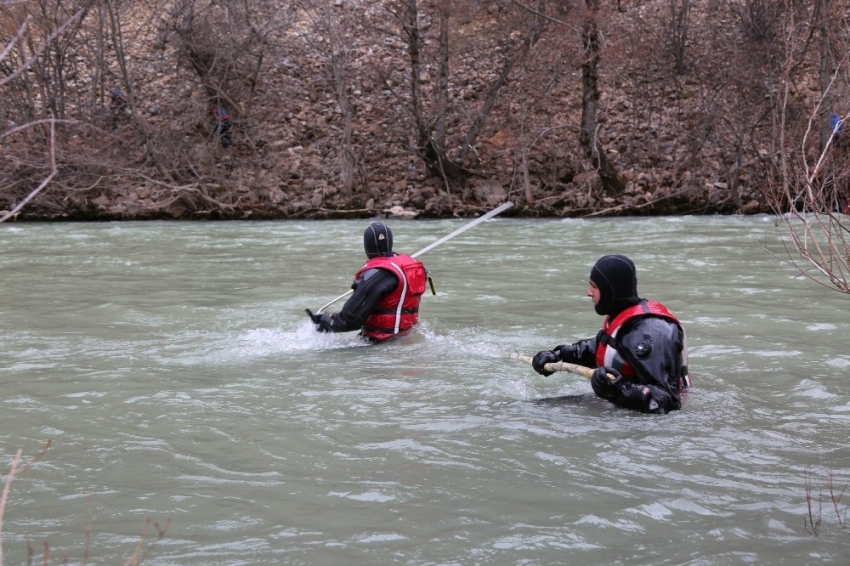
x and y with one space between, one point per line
331 117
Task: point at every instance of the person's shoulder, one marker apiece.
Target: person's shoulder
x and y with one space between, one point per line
408 258
652 324
381 272
369 272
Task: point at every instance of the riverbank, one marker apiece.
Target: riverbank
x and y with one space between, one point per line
312 134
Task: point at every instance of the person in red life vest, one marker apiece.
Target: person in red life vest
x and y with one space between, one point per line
221 126
117 106
642 344
387 291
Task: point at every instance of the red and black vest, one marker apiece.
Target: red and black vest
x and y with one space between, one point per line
607 355
397 312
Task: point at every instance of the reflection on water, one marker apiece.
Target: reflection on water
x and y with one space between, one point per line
175 370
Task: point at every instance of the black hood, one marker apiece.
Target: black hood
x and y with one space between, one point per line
616 277
378 240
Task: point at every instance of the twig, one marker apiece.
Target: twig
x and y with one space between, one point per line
5 496
88 531
26 64
812 525
13 471
45 182
21 32
136 558
622 207
836 500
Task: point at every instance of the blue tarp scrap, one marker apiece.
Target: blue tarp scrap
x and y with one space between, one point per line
836 124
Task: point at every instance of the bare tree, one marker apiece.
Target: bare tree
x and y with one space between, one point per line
677 31
30 54
438 112
812 194
225 45
515 55
431 149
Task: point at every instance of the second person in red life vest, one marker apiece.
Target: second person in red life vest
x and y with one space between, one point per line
642 344
387 291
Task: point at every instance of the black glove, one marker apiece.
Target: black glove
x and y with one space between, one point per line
543 358
323 321
604 387
567 353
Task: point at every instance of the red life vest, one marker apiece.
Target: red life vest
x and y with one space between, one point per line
607 355
397 312
220 114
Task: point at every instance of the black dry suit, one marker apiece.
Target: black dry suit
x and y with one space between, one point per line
645 346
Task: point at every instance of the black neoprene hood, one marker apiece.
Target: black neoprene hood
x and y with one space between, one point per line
616 277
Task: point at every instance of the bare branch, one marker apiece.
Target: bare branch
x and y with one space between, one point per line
13 471
45 182
59 31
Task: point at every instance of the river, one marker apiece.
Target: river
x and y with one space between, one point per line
174 370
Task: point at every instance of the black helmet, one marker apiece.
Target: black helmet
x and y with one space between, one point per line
378 240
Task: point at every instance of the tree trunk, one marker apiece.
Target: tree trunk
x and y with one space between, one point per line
333 27
442 94
612 183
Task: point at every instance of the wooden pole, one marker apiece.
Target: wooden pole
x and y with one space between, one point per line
562 366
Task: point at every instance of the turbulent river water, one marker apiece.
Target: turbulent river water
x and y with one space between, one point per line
178 378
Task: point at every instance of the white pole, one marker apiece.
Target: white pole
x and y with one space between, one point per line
460 230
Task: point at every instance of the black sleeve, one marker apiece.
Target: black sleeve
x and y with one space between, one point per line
653 347
372 286
582 352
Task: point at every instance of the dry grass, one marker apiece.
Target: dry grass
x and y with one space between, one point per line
146 543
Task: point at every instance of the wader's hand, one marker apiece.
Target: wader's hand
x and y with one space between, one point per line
323 321
542 358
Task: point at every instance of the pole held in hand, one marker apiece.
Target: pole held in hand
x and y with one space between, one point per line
503 207
562 366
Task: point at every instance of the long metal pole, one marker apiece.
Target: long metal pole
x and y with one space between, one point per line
460 230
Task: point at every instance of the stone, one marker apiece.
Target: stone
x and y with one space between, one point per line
399 212
491 192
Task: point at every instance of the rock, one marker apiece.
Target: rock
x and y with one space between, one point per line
400 213
491 192
175 210
751 207
102 201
